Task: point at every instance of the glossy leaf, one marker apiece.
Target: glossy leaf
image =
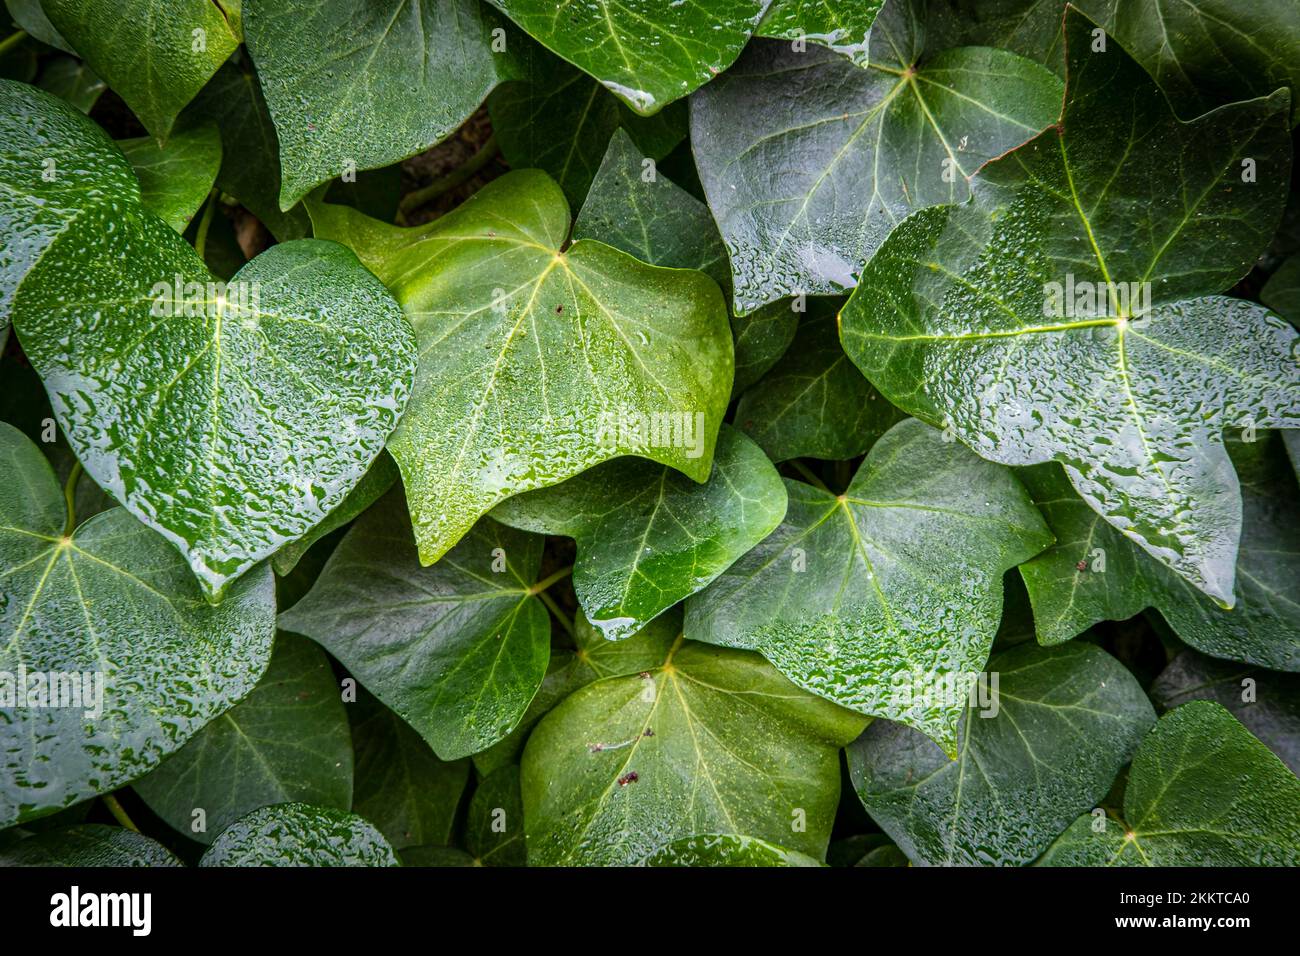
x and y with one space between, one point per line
212 413
1093 573
647 535
298 834
88 845
814 403
1202 792
457 650
646 52
176 178
842 27
956 319
1042 743
537 363
726 850
113 608
761 338
148 51
288 741
711 740
829 157
898 580
358 86
495 829
28 15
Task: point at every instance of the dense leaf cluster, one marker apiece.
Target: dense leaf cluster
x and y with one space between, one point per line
728 433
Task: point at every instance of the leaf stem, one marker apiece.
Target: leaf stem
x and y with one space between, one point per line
464 172
808 475
70 498
565 621
201 236
547 581
11 41
119 813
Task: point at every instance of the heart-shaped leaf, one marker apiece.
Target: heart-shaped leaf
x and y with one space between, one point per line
111 659
537 362
88 845
647 535
646 52
711 740
814 403
357 86
1093 573
1202 792
457 650
896 582
213 412
1050 730
156 54
1045 321
298 834
287 741
841 26
724 849
176 178
829 156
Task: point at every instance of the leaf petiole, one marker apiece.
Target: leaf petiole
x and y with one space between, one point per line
70 498
11 41
119 812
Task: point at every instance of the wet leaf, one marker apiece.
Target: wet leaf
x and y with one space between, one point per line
726 850
842 27
495 829
176 178
298 834
87 845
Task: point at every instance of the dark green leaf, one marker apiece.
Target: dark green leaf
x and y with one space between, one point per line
495 830
297 834
70 78
726 850
88 845
176 178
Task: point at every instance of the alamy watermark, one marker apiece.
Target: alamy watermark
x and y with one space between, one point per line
79 690
204 299
628 428
1084 299
922 690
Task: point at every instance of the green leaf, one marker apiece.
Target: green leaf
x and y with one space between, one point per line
814 403
962 318
495 829
298 834
537 363
287 741
70 78
401 787
176 178
88 845
1118 579
634 207
761 338
647 535
726 850
1042 743
1282 291
113 608
1202 792
843 27
156 54
829 157
647 52
250 149
1267 703
28 15
457 650
219 429
711 740
558 119
896 581
358 86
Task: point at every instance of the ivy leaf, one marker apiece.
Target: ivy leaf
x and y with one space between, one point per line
725 849
1043 743
646 52
156 54
287 741
70 79
88 845
897 580
961 317
1202 792
711 740
457 650
814 403
558 119
1031 28
221 430
401 787
537 363
1118 579
1267 703
842 27
113 606
298 834
634 207
830 157
761 338
176 178
647 535
358 86
1282 291
28 15
495 828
